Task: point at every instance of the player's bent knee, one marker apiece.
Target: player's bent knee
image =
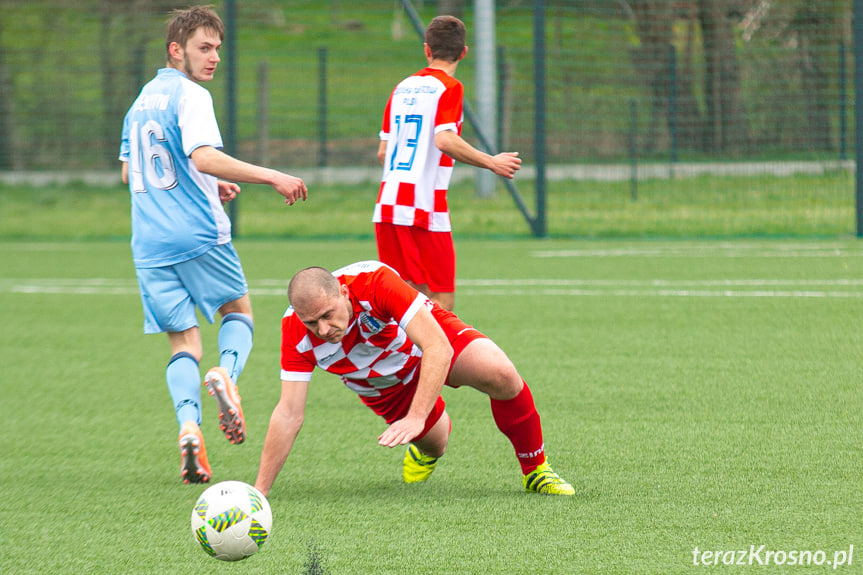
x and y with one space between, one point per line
483 366
503 376
506 387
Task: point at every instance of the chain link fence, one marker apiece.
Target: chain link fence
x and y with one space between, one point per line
636 90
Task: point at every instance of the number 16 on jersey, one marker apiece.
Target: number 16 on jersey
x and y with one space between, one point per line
149 158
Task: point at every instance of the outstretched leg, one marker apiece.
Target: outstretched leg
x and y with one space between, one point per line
235 345
484 366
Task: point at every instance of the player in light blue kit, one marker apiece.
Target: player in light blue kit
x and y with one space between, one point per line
181 236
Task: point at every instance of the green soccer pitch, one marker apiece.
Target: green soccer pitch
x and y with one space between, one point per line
703 397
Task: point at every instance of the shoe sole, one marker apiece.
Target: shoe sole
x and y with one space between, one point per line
230 420
192 472
554 490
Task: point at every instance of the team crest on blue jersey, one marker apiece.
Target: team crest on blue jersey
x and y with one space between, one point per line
370 325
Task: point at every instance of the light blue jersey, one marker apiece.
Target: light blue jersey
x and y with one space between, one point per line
176 211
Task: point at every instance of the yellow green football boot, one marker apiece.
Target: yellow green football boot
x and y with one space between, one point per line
417 466
544 480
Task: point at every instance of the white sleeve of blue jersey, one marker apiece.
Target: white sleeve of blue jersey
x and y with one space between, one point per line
197 119
124 142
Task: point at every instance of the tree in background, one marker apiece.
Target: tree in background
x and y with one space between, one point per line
722 126
651 59
818 28
725 125
805 40
690 123
813 29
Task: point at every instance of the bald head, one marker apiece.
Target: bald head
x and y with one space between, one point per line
310 285
321 303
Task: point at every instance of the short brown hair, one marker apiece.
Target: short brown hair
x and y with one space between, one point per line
184 23
445 37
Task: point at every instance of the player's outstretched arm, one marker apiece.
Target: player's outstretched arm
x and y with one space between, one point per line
425 332
505 164
217 163
285 424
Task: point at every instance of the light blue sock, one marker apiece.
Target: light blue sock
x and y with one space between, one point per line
184 383
235 343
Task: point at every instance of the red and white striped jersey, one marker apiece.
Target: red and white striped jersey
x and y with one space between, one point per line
375 353
416 173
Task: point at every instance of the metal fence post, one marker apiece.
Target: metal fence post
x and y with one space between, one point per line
633 149
231 25
486 87
539 223
322 107
858 118
843 95
672 105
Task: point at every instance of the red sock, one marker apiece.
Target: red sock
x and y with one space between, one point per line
518 419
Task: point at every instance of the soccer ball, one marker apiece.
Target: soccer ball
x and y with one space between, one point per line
231 520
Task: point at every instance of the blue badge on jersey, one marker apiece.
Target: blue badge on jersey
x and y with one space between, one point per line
370 324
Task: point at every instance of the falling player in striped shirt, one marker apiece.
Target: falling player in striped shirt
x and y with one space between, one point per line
420 142
396 349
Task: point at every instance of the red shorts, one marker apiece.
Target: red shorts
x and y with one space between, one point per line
420 256
394 402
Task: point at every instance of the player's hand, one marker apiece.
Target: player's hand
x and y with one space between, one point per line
506 164
401 432
291 188
228 191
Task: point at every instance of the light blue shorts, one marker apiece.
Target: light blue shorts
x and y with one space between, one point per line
170 294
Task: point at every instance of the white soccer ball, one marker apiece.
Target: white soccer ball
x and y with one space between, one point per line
231 520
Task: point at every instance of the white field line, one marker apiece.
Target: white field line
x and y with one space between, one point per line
735 251
752 287
659 282
674 249
661 293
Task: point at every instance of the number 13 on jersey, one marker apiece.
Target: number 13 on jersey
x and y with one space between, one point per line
408 129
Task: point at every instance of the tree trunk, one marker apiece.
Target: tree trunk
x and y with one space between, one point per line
690 131
817 35
653 21
725 126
